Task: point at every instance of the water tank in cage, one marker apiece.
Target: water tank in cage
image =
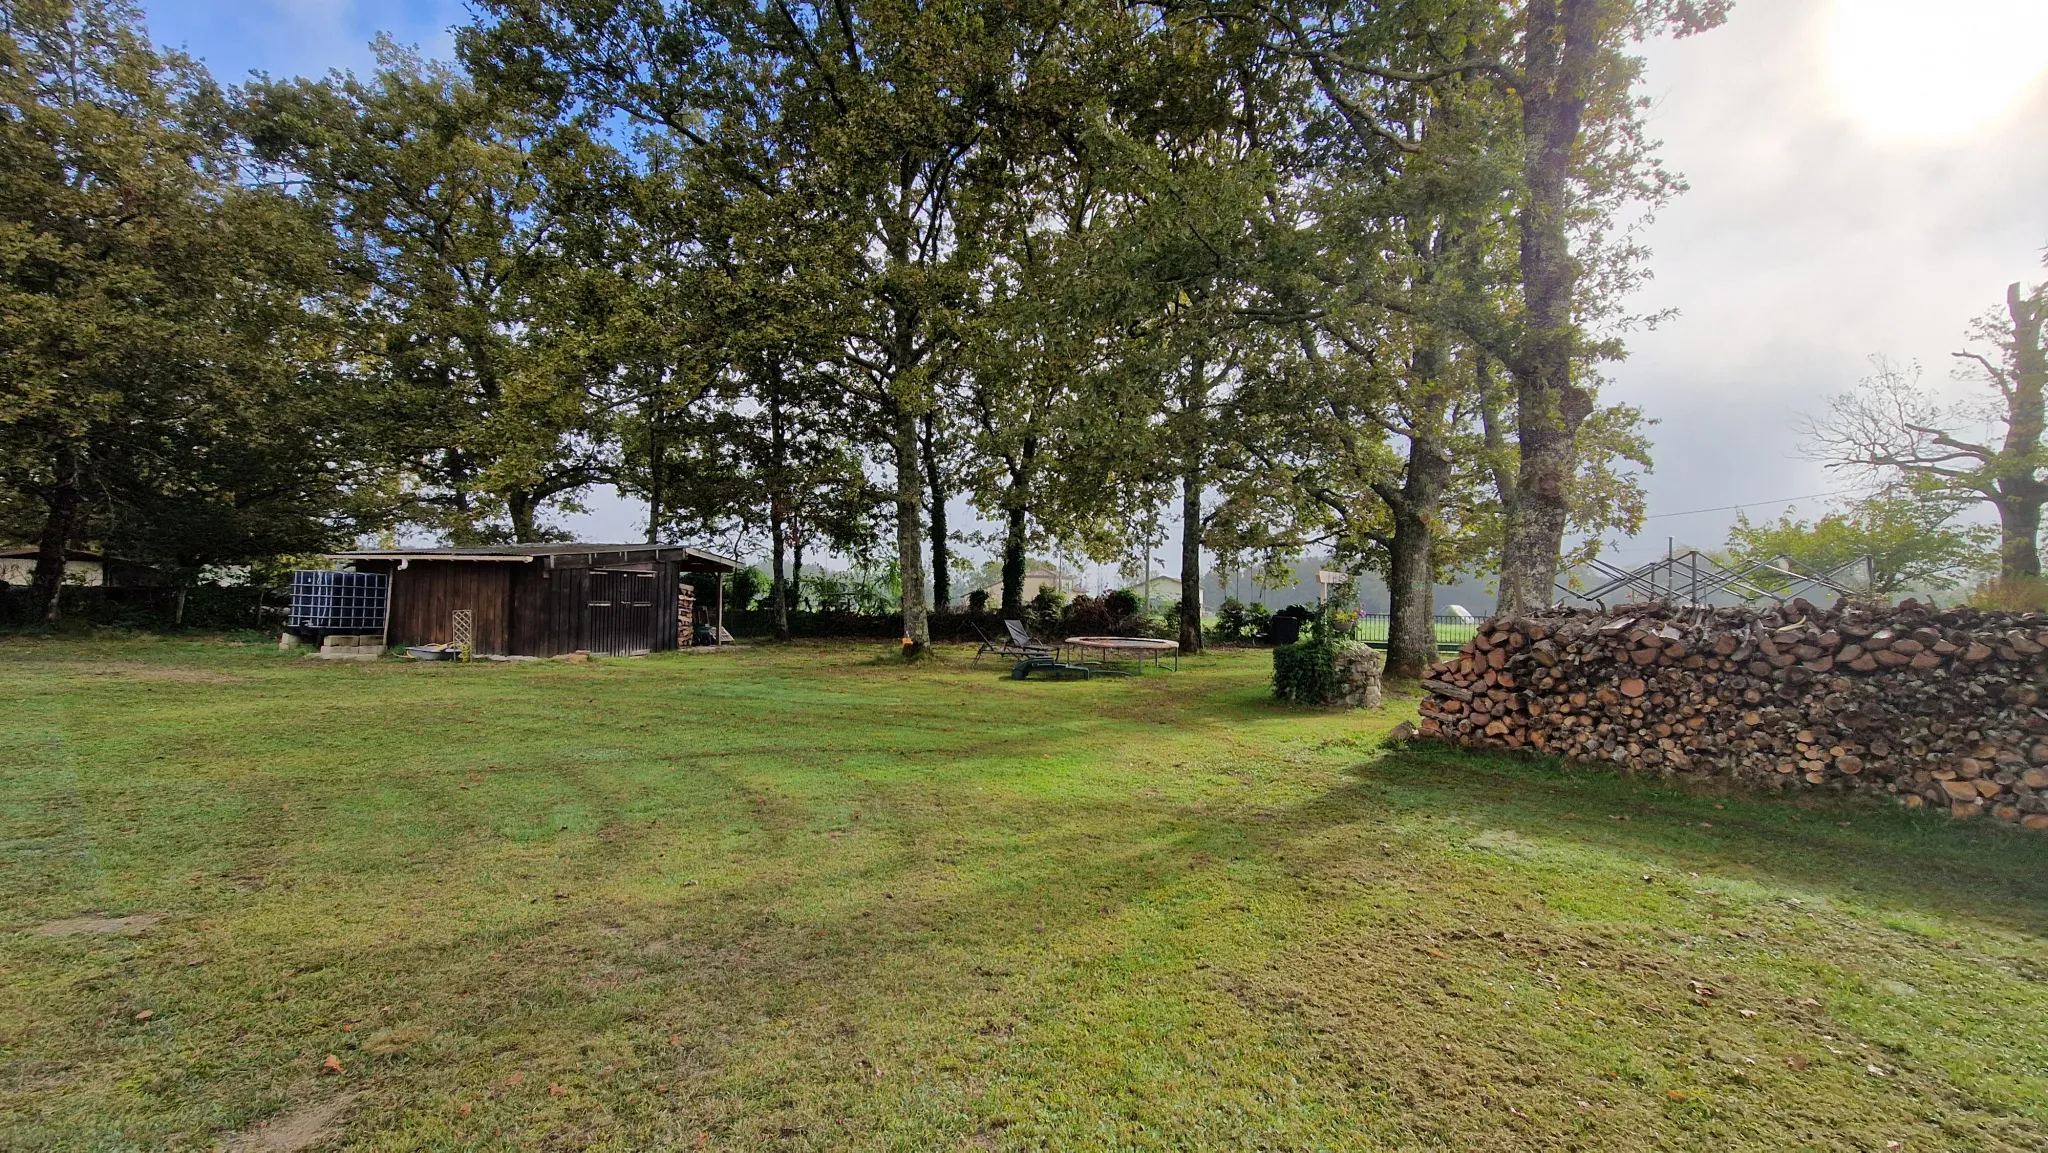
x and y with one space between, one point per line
338 602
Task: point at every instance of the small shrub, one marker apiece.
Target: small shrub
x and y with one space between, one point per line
1237 622
1043 613
1306 672
1120 603
977 601
2019 595
745 587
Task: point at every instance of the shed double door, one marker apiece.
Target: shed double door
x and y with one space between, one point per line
621 615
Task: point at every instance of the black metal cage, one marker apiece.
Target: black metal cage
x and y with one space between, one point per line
325 601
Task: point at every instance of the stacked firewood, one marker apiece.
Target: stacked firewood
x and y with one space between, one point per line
1937 707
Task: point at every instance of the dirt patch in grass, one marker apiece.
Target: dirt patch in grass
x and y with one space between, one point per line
302 1128
141 671
93 923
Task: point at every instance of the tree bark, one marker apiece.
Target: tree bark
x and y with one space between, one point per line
1561 40
796 565
778 547
59 521
942 577
2020 491
778 499
2019 531
522 509
657 479
1411 577
917 637
1016 530
1191 557
1194 446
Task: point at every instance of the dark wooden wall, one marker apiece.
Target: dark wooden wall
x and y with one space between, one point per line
519 609
425 595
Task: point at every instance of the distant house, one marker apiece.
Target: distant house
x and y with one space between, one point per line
1034 580
18 567
1160 590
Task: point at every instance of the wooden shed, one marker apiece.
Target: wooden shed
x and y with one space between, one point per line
540 600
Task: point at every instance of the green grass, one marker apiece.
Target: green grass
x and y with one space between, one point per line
805 898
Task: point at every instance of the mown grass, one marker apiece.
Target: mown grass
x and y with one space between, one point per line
805 898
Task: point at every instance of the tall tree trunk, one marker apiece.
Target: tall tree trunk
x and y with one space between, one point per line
1013 564
2019 531
657 475
778 547
796 565
1194 445
1411 578
2021 493
522 508
778 498
917 635
1191 557
1016 530
60 519
942 578
1561 41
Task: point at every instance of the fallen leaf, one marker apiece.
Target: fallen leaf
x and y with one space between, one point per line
1433 952
145 1015
497 956
348 1027
331 1065
555 1090
1676 1094
675 1038
1748 1012
1796 1062
515 1078
464 1110
1810 1003
1876 1072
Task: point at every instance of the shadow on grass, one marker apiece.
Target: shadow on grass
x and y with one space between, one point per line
1852 848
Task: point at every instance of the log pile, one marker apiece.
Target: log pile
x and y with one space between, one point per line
1937 707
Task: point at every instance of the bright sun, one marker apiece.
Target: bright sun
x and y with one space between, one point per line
1935 68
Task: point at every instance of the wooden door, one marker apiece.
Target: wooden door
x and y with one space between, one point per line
621 615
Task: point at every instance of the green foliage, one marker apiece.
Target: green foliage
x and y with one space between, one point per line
1044 612
1910 539
1237 622
2013 594
457 208
171 384
1305 672
744 587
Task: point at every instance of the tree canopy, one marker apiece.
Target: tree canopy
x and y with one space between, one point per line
1331 276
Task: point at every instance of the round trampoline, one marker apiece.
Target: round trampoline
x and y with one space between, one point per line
1132 650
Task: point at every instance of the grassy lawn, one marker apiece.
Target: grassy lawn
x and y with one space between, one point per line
804 898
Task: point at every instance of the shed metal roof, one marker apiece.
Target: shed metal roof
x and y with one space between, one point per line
553 554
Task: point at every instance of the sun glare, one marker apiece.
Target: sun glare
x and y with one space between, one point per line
1934 69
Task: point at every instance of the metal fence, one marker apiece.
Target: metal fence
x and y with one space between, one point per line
1451 631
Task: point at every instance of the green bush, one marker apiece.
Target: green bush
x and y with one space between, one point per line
1306 672
1043 613
1237 621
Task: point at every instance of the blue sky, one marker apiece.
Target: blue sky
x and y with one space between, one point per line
298 37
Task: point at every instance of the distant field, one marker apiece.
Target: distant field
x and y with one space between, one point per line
804 898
